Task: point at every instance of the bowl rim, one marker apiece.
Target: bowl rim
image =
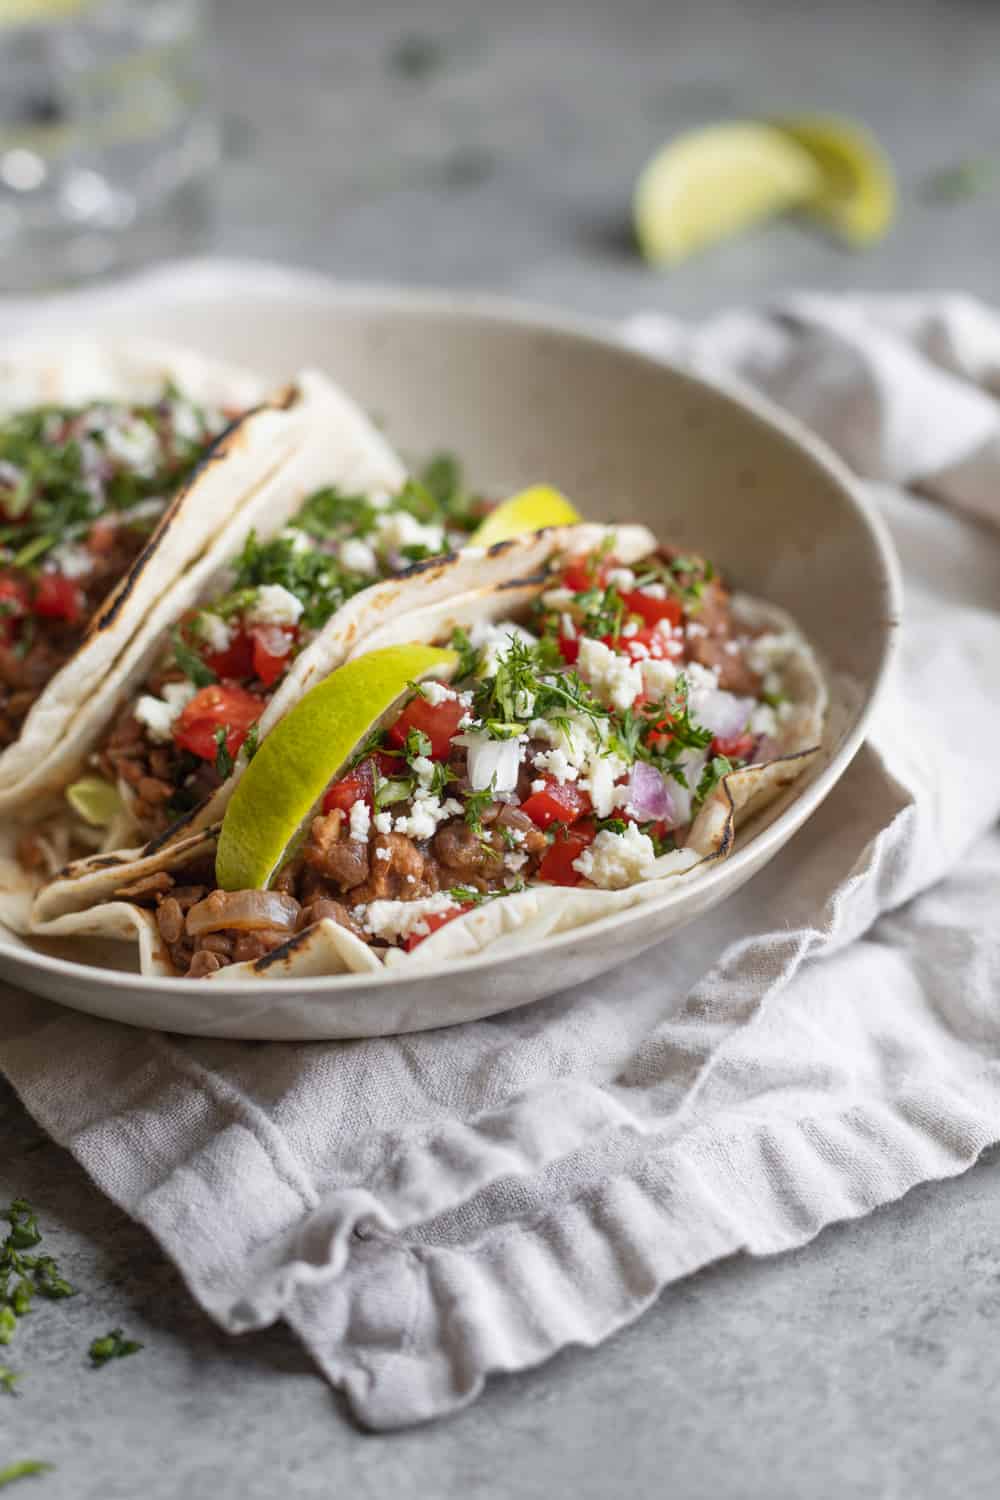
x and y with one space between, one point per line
588 330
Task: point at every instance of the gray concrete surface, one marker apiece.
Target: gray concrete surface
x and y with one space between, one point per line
867 1365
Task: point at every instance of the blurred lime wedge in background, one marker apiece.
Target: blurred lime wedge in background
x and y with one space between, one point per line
709 184
528 510
30 12
94 800
857 198
305 750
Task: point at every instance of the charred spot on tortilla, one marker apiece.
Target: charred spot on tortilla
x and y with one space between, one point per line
286 951
534 580
442 561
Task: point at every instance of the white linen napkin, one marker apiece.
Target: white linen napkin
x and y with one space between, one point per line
429 1209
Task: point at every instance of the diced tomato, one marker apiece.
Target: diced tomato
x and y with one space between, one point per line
101 537
236 661
434 920
569 648
660 736
57 598
653 610
560 802
733 746
438 721
357 786
583 573
272 645
557 865
224 704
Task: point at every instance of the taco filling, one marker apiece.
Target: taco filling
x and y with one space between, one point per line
178 738
573 749
81 489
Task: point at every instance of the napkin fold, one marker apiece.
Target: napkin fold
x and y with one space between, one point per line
427 1210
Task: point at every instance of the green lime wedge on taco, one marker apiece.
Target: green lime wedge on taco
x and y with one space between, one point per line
288 775
529 510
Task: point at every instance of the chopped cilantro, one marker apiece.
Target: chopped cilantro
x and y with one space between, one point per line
113 1345
316 578
417 744
329 515
713 773
8 1380
441 777
466 895
395 789
223 759
22 1275
23 1469
252 740
476 804
190 662
469 656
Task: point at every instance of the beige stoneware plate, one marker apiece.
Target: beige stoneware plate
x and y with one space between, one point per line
524 396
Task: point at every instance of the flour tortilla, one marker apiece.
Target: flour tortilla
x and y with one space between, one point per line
530 915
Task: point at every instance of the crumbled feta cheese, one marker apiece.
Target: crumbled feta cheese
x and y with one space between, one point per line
358 556
769 651
72 561
437 692
423 768
494 641
425 815
186 422
380 500
214 631
557 598
602 773
133 443
658 678
763 720
300 540
654 590
390 920
630 628
275 605
568 627
622 579
382 854
616 860
515 835
398 529
514 861
615 680
695 628
557 764
361 821
383 822
158 714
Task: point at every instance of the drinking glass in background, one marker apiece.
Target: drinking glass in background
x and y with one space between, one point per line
107 144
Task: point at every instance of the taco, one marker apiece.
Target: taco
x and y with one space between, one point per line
589 728
109 486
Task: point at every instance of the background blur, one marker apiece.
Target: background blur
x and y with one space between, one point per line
455 142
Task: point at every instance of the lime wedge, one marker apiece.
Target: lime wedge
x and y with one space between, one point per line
22 12
305 750
857 194
528 510
96 801
714 182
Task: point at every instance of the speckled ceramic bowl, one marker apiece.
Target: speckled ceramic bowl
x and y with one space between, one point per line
523 396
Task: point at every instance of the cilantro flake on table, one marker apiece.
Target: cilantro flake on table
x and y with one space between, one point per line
113 1345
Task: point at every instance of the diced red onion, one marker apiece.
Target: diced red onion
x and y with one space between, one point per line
649 798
